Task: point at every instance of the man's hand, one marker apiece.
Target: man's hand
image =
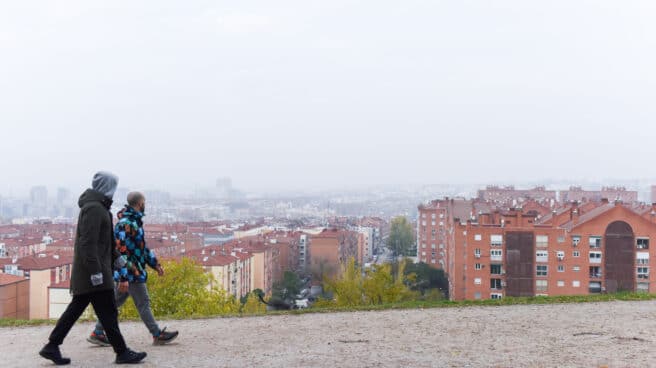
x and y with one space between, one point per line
123 287
97 279
160 270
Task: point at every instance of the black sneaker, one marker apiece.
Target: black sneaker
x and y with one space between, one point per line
130 357
51 352
164 337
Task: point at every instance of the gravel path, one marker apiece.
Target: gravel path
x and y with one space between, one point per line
616 334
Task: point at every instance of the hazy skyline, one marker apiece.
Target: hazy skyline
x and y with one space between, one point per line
311 94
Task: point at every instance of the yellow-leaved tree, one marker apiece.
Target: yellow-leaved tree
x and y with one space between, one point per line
184 292
378 285
253 305
347 287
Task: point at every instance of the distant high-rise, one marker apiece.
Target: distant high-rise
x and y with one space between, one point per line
63 196
39 195
223 187
121 195
38 201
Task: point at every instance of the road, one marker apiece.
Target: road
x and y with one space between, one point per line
614 334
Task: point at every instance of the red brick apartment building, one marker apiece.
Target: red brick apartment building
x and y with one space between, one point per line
330 249
14 297
574 250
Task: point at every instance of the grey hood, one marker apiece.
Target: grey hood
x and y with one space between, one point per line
105 183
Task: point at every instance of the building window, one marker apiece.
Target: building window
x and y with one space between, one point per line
432 261
423 253
560 255
477 253
541 285
541 270
496 240
595 272
576 253
432 223
561 239
561 283
576 268
478 266
576 283
441 215
423 215
642 258
576 240
496 296
478 237
441 246
496 254
433 246
594 287
477 281
595 257
433 216
495 269
542 256
595 242
495 283
541 241
561 268
642 243
423 245
643 272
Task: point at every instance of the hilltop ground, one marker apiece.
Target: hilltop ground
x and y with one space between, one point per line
612 334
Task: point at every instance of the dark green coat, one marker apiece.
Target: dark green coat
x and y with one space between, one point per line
94 244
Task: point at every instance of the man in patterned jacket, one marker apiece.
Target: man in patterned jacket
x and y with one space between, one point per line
132 277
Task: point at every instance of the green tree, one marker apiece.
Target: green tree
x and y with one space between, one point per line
402 236
288 287
427 279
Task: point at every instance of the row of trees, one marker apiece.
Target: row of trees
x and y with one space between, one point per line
384 284
183 292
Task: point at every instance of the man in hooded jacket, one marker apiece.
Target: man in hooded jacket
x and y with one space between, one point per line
92 275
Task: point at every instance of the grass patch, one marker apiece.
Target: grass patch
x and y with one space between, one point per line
422 304
418 304
8 322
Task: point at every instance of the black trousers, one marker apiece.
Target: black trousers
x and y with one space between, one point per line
104 304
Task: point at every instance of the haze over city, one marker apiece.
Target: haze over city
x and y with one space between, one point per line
302 95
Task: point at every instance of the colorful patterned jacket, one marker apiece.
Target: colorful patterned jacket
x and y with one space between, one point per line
130 242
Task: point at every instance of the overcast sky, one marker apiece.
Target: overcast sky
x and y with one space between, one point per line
306 94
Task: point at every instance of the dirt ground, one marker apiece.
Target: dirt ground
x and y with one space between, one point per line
617 334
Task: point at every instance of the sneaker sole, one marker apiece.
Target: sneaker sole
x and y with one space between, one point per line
98 342
158 342
63 361
135 361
